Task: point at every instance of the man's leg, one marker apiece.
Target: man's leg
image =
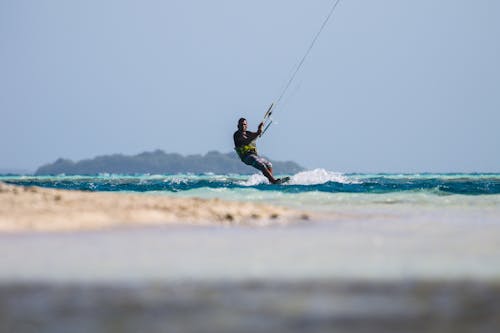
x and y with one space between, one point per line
267 169
261 164
268 174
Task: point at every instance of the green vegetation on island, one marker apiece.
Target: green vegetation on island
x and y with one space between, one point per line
159 162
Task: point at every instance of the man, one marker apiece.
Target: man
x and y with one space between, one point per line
245 146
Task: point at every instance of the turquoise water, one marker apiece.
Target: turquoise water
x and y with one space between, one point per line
318 180
317 189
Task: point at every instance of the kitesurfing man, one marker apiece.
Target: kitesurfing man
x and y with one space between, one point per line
245 146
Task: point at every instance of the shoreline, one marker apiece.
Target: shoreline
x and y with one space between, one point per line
30 208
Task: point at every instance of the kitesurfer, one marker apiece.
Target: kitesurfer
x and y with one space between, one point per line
245 146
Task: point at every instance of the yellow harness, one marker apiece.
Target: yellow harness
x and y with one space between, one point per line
245 150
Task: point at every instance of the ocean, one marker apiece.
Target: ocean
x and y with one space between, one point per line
312 181
318 190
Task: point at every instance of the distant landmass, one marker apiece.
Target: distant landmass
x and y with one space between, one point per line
159 162
13 171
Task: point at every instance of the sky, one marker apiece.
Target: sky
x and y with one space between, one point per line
390 85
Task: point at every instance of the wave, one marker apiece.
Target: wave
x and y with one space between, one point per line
309 177
317 180
319 176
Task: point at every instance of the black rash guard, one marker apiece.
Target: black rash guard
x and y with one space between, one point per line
244 138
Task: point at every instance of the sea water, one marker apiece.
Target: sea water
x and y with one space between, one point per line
318 180
318 189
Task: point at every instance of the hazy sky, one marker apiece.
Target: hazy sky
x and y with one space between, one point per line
391 85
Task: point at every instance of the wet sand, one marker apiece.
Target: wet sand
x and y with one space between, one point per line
34 208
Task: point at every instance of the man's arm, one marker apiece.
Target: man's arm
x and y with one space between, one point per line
243 140
256 134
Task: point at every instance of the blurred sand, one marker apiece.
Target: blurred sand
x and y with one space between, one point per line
41 209
253 306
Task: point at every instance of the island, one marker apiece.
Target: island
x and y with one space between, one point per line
159 162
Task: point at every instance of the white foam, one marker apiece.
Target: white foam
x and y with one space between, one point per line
309 177
318 176
255 179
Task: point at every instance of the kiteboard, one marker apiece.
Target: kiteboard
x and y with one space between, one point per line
282 180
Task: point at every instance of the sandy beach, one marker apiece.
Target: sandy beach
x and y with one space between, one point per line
40 209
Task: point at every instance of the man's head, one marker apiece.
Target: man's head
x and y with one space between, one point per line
242 124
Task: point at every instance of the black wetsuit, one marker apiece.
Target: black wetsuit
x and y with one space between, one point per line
244 138
250 157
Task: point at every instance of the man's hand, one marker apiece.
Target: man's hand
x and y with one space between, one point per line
261 127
